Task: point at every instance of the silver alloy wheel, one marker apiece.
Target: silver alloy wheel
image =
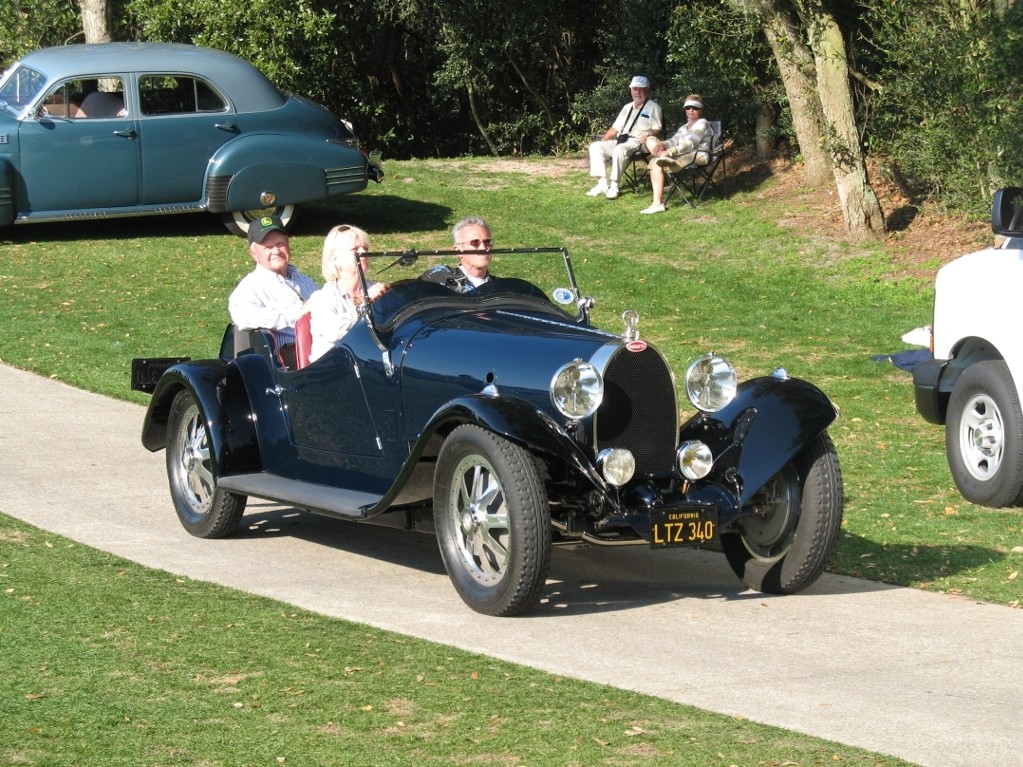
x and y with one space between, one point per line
480 515
194 475
981 437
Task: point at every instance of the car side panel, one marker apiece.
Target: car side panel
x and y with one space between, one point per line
74 164
976 315
176 151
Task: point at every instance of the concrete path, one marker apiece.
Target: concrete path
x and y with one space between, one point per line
934 679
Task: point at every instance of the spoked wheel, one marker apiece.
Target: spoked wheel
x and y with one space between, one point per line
787 545
984 436
493 521
203 509
237 222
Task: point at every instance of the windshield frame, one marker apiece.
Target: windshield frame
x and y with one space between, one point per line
16 79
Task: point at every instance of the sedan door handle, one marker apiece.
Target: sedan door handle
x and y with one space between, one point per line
125 133
229 127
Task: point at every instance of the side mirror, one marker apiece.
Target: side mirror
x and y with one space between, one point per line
1007 212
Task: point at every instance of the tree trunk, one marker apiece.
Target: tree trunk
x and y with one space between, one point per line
860 207
765 126
795 62
816 80
474 108
95 20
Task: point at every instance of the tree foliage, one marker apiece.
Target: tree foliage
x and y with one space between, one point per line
947 112
936 83
29 24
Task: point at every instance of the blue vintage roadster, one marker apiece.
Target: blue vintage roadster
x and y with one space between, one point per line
502 420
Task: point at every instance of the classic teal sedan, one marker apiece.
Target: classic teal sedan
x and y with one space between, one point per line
131 129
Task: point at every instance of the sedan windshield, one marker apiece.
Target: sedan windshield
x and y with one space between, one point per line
20 87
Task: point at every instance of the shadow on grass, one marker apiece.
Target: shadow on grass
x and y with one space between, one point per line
179 225
907 564
582 580
744 177
377 214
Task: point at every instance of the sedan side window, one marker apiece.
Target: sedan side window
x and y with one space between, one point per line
89 98
177 94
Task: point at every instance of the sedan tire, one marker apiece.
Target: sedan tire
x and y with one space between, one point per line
984 436
493 521
203 509
788 544
237 222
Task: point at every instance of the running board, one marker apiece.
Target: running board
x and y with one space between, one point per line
350 504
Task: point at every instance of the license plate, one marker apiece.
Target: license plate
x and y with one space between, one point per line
688 526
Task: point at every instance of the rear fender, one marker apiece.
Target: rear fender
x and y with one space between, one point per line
770 421
254 179
220 392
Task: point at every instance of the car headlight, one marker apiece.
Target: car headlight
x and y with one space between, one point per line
694 460
577 389
616 465
710 383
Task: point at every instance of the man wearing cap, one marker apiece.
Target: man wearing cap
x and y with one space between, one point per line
638 121
272 295
690 144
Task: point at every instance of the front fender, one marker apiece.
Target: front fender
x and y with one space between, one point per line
220 393
521 423
770 421
244 174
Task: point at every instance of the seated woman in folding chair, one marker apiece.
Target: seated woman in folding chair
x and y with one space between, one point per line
690 144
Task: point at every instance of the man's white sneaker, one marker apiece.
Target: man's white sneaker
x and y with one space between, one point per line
653 209
599 189
612 191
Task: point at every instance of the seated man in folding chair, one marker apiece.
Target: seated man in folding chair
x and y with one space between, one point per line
690 144
638 121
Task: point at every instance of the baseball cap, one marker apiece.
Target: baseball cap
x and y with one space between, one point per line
262 226
639 82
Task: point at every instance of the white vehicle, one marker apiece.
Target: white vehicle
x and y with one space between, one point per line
973 384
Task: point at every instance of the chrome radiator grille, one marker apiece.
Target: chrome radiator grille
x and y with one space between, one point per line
639 411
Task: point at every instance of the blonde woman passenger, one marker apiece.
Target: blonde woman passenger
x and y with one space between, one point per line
334 308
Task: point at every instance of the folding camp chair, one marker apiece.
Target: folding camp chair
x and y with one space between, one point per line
693 181
635 173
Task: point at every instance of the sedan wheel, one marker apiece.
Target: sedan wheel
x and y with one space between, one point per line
493 521
237 222
203 509
788 543
984 436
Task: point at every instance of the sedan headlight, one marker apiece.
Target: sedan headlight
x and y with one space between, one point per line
710 383
695 460
577 389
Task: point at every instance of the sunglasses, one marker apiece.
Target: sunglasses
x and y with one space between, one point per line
690 106
477 243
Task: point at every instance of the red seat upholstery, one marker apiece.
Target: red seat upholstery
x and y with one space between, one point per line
303 342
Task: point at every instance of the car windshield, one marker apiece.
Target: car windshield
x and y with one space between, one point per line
20 87
529 280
